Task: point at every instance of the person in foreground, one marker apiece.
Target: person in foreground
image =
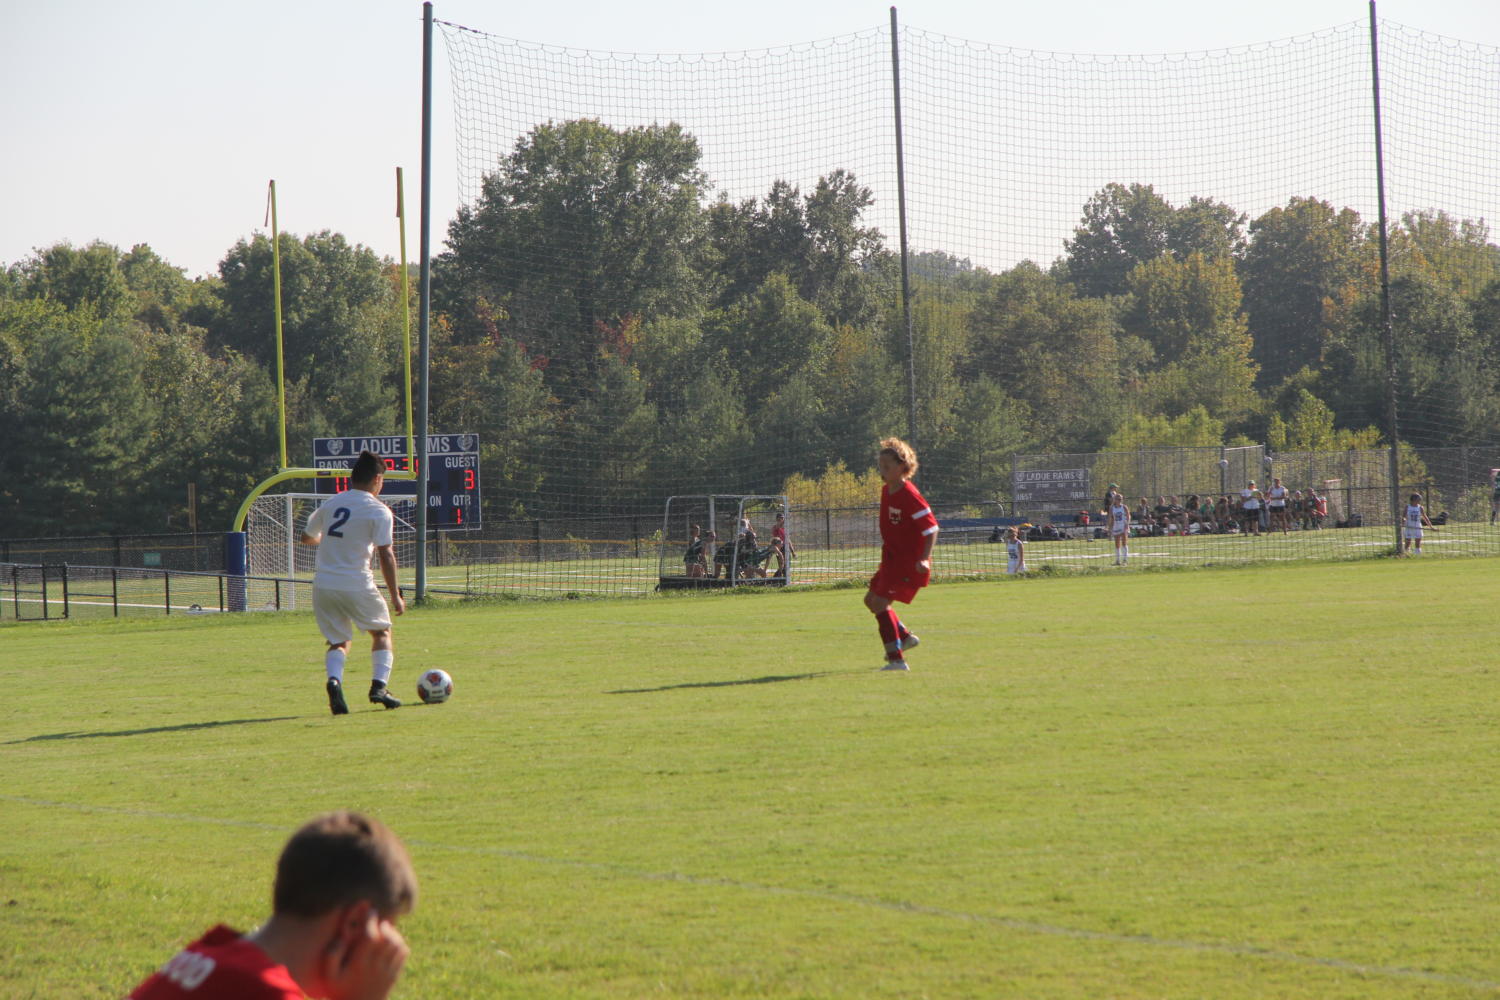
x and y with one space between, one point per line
907 533
346 530
341 882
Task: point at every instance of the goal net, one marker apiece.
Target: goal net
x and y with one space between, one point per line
723 541
275 524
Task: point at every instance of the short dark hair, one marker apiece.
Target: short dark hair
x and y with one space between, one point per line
341 858
366 467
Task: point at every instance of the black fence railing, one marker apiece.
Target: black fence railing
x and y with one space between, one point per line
56 591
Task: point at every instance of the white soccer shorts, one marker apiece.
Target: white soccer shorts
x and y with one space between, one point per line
339 612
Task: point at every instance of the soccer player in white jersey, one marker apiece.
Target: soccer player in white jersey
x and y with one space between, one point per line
1411 528
1119 528
347 530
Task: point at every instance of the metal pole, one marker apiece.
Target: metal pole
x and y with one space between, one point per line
1387 327
424 313
911 349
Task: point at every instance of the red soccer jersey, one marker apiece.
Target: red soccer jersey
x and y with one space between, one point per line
905 520
221 965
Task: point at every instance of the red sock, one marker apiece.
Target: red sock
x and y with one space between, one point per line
901 630
887 623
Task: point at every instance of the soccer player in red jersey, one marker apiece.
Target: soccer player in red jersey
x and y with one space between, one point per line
907 533
341 882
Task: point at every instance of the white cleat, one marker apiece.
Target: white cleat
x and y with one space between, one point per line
910 642
895 665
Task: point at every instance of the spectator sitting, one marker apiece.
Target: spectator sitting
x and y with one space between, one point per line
1081 519
695 560
1224 515
1176 516
1200 512
745 561
1142 514
998 535
1317 507
723 557
1050 532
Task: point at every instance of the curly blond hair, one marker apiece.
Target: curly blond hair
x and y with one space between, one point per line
901 452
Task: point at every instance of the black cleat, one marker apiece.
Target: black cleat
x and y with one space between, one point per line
380 696
336 703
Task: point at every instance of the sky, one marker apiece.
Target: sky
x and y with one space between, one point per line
162 123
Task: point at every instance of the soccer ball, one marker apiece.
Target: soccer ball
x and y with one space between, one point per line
435 686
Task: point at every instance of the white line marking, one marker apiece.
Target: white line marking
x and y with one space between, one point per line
847 898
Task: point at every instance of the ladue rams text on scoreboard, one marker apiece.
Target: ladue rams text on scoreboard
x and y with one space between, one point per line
452 475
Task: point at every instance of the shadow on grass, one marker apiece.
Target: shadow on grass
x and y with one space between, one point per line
770 679
184 728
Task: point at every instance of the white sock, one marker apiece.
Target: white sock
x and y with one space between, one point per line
380 664
333 663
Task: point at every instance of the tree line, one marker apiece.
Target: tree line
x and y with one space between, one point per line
617 332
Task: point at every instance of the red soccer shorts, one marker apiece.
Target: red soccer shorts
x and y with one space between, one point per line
896 584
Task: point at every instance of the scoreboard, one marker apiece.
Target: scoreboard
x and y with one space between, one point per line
452 475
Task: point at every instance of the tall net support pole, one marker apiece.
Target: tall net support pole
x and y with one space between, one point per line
911 344
424 315
1387 326
276 298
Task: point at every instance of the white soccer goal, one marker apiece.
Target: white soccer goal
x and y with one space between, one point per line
273 552
723 556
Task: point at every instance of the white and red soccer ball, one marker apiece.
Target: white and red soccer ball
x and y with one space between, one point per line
435 687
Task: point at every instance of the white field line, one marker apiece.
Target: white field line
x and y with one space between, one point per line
844 898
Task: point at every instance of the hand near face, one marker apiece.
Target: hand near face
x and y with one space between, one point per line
366 959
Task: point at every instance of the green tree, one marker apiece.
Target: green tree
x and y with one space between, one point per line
1445 384
1194 429
341 329
1456 254
491 388
834 262
1305 267
1309 426
581 227
1124 226
971 454
1057 353
77 278
768 338
78 430
1188 309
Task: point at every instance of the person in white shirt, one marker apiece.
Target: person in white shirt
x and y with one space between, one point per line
1276 506
347 530
1411 528
1015 551
1250 498
1119 528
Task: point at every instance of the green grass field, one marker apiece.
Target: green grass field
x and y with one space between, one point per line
1279 781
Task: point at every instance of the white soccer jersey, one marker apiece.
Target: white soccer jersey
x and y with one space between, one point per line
351 524
1414 515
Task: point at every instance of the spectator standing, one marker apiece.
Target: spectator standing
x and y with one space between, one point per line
1250 498
1411 530
1119 528
787 549
1276 498
1015 551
